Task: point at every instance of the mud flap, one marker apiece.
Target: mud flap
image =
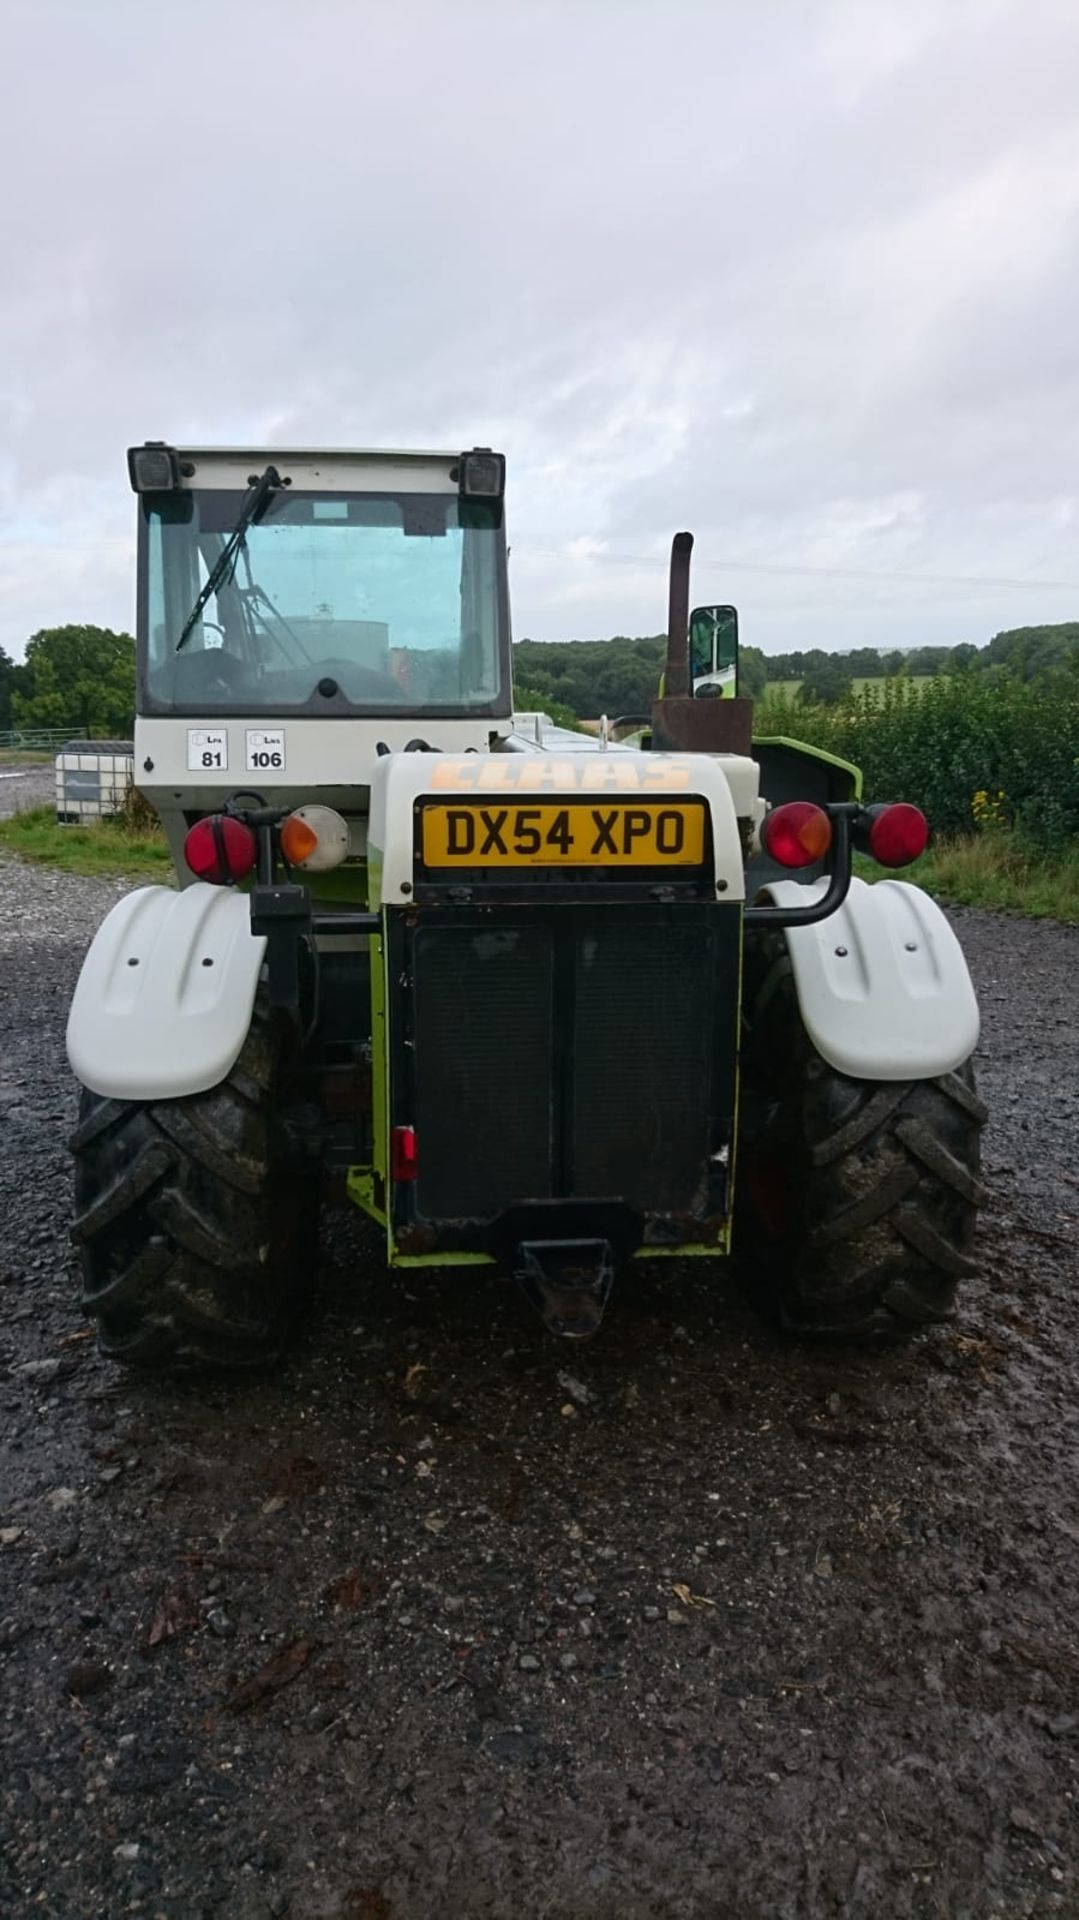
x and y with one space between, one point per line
882 985
164 999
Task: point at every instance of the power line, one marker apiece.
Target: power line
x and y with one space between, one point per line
822 573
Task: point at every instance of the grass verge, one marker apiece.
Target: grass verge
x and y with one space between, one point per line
995 870
102 847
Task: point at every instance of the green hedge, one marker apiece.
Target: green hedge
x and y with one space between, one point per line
972 753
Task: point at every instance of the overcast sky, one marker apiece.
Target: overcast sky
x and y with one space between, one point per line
800 275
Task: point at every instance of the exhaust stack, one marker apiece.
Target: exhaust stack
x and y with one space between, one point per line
681 724
676 684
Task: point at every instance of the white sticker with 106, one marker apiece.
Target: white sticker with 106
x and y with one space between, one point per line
266 750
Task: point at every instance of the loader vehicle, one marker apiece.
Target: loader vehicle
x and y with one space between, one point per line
539 1002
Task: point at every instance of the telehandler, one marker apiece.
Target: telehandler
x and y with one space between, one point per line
541 1002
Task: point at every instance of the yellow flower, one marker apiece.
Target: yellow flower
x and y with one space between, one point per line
989 809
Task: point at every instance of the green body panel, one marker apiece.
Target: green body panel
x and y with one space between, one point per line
717 1250
380 1076
342 887
364 1183
732 1183
360 1186
486 1260
814 753
345 885
439 1259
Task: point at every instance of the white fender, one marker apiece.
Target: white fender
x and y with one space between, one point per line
882 984
164 999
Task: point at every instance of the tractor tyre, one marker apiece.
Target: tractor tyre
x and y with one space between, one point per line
857 1199
197 1221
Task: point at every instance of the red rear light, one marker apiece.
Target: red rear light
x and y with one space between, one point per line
220 849
403 1164
797 834
897 834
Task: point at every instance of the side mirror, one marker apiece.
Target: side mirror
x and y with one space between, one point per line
713 652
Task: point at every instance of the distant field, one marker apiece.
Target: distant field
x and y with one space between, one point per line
792 686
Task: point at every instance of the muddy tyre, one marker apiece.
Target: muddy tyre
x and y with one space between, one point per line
858 1199
195 1220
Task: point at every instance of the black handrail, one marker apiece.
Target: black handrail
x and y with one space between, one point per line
843 815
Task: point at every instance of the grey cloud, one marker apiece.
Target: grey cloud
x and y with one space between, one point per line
800 276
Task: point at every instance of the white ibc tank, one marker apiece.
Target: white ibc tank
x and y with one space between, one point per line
92 777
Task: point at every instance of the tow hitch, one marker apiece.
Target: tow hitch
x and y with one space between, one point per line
568 1281
564 1255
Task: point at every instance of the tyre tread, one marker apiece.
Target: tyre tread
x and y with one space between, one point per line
197 1240
875 1226
132 1182
927 1147
880 1105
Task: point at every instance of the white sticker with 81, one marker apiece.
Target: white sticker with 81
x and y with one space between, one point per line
207 750
266 750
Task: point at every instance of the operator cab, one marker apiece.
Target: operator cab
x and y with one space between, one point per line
321 585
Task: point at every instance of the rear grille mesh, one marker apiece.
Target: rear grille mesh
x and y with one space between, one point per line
642 1066
483 1052
570 1058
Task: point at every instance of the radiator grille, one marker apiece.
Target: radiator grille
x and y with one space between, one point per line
574 1058
642 1060
483 1032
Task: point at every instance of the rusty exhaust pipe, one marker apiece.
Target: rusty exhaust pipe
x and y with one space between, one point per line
676 682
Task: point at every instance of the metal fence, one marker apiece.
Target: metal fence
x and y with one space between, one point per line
30 739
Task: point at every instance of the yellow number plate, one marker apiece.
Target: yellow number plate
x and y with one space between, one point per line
606 834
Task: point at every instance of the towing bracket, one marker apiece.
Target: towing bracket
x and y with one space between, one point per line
568 1281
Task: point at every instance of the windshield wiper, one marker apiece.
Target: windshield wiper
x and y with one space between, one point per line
225 565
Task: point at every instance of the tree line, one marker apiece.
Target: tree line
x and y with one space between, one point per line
78 677
584 678
83 677
1027 652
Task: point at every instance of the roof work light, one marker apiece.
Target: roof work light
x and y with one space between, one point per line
153 468
481 474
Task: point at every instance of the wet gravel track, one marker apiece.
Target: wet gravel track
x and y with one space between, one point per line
687 1623
24 787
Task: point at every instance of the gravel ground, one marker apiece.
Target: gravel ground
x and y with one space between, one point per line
24 787
443 1619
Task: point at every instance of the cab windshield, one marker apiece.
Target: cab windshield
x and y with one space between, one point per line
335 602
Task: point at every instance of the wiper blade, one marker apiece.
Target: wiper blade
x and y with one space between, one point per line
225 564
